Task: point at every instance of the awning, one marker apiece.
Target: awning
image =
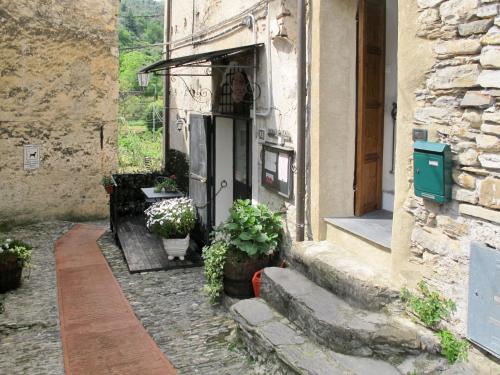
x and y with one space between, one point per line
178 62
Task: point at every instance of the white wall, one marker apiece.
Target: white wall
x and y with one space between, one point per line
391 93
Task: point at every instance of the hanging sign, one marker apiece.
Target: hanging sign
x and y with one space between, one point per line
31 157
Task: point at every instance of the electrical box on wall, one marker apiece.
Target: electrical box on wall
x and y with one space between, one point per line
277 169
432 166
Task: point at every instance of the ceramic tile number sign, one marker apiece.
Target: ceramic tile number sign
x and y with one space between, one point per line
31 157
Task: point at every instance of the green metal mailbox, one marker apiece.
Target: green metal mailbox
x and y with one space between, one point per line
432 166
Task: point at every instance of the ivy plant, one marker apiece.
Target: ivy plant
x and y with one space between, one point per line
429 307
253 229
215 258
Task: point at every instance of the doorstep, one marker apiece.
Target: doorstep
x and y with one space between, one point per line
373 229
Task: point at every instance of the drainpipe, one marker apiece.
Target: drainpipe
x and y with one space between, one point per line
166 86
301 120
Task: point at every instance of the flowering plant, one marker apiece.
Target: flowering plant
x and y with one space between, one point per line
15 249
171 218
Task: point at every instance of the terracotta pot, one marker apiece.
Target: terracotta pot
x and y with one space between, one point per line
238 274
109 189
10 274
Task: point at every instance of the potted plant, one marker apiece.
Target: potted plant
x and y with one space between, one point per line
173 220
108 183
14 256
167 185
242 245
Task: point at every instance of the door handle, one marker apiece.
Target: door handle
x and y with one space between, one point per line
194 176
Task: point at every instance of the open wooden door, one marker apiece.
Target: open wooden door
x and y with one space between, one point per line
371 92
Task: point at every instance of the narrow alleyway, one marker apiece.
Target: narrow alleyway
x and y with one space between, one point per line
170 305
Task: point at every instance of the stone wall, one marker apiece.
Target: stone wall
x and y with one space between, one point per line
458 103
59 90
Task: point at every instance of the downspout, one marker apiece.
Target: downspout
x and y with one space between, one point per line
166 86
301 120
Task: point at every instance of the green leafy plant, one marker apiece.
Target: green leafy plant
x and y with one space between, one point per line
171 218
15 249
255 230
429 307
452 348
215 258
106 181
166 184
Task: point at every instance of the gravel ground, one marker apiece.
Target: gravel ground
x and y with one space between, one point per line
193 334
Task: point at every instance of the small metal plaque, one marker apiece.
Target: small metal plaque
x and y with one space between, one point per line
31 157
420 134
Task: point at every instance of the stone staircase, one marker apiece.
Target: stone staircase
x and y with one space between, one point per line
342 318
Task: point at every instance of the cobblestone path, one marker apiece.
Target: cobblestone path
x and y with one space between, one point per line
171 306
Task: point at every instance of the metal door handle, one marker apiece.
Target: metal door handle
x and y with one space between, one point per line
197 177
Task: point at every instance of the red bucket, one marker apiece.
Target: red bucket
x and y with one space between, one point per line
256 283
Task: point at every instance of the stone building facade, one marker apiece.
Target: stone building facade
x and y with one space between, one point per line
441 68
456 101
59 90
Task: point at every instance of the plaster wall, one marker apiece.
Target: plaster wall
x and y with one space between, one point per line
59 89
333 128
281 117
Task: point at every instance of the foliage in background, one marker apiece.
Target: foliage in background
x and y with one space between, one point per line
141 24
431 309
452 348
215 258
153 109
135 145
253 229
429 306
172 218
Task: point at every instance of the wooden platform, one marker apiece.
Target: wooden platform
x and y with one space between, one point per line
144 251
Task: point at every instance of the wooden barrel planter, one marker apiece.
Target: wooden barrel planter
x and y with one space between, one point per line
238 274
10 274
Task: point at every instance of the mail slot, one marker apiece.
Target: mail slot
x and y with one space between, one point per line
432 165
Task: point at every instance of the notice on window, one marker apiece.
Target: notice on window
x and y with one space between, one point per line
283 168
270 161
31 157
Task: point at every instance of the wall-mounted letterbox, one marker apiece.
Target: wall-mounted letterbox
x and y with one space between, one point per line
432 165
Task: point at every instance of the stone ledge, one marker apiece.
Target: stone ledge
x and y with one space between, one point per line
276 339
356 279
332 322
480 212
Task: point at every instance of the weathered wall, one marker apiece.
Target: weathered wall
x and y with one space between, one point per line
59 88
453 93
281 117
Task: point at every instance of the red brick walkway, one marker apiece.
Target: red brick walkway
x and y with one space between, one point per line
99 331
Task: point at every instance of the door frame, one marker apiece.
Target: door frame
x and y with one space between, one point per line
213 162
359 208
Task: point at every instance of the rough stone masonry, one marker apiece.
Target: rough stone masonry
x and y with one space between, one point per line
59 89
459 105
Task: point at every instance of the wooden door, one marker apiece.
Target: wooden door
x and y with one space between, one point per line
371 92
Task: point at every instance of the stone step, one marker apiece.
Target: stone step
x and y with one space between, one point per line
330 321
360 279
273 339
